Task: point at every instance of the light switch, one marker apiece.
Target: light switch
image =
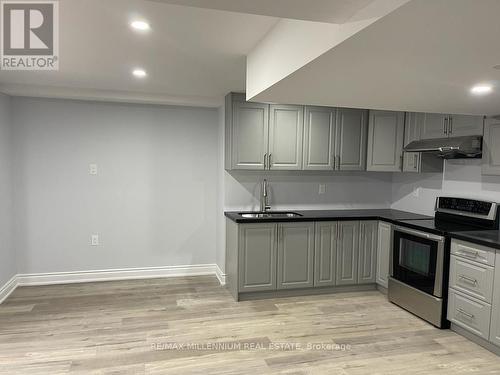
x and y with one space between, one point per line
322 189
94 240
93 169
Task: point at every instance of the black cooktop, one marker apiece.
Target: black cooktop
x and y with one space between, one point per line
439 226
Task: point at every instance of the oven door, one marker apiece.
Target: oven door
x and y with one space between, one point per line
418 259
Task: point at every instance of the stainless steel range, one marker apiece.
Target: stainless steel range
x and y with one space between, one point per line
421 255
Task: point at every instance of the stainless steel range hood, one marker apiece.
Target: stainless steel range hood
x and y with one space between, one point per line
449 148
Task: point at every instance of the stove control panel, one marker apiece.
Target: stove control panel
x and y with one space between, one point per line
469 207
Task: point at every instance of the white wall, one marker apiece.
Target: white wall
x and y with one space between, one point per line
8 266
299 190
461 178
152 203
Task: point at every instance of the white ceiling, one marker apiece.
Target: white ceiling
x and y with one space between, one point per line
192 55
333 11
424 56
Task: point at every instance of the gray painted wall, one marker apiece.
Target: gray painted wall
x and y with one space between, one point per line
461 178
152 202
8 267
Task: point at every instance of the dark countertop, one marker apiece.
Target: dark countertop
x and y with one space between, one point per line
489 238
392 216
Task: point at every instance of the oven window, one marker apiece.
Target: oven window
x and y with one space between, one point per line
414 261
415 256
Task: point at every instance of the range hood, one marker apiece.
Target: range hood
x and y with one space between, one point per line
449 148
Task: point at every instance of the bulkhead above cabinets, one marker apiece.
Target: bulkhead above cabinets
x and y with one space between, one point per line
261 136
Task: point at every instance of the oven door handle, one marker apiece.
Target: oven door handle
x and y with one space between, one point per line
420 234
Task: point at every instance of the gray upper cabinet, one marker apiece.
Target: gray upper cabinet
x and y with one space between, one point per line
438 125
286 127
257 252
248 135
368 231
413 127
462 125
434 125
295 255
325 253
319 138
351 139
348 253
385 141
491 147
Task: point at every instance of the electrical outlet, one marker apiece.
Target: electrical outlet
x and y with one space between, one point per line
322 189
94 240
93 169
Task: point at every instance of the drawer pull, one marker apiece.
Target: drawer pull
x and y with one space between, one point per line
463 312
470 254
470 280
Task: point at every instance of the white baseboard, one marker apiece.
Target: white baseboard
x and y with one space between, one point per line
220 275
8 288
109 275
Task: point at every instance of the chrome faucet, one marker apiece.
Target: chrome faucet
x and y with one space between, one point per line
264 197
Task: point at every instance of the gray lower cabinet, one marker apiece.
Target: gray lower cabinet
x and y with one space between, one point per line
367 266
495 308
352 125
286 128
491 147
385 141
257 257
319 138
384 248
348 253
325 253
295 255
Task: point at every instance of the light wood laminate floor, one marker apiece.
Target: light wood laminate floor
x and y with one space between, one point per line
126 327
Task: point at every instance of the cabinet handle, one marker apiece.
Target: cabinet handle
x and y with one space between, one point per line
463 312
334 161
415 161
445 125
469 254
450 120
401 163
338 163
469 279
265 161
269 161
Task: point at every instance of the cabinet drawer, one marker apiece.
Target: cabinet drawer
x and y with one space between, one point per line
470 314
477 253
471 278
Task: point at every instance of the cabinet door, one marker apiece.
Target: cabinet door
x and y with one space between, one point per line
348 253
367 252
384 248
351 139
257 257
286 128
411 162
319 138
385 141
495 308
249 135
325 253
295 255
491 147
462 125
434 126
413 126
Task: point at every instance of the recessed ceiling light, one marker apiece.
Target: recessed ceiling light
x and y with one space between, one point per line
140 25
139 73
481 89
